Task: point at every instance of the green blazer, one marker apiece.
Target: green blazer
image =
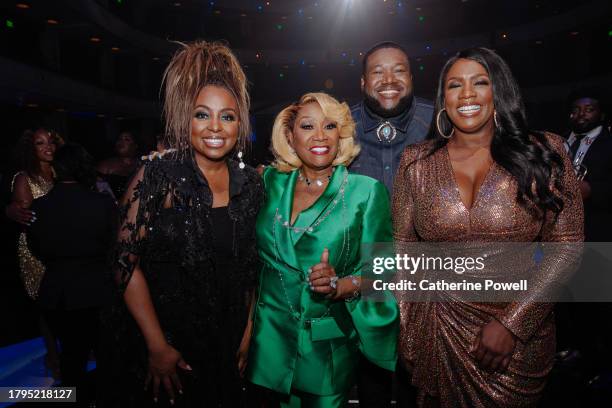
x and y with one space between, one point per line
301 340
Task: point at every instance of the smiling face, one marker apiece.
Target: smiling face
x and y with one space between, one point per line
387 82
44 145
468 97
586 115
214 124
314 137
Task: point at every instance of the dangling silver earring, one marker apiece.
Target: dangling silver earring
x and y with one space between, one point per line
495 120
439 127
241 165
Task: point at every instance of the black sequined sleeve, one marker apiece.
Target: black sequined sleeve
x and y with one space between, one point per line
143 198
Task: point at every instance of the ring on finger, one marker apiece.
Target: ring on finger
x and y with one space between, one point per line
333 282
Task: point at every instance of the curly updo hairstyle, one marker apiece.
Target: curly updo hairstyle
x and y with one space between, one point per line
194 66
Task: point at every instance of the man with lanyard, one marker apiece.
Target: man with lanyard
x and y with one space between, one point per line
388 119
589 145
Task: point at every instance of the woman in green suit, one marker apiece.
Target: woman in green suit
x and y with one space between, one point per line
309 322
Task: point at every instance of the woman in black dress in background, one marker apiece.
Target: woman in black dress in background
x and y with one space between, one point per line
186 257
116 171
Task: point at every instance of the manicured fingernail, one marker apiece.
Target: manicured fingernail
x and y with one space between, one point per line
155 400
188 367
171 402
181 392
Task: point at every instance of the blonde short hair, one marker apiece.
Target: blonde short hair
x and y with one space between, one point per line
285 157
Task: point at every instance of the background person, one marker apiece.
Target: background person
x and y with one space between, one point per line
589 145
116 171
389 117
34 155
72 237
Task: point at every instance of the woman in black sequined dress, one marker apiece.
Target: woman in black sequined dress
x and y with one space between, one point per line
186 258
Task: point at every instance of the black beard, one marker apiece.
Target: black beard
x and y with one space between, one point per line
376 108
587 127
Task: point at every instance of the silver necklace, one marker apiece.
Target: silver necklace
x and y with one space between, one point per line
345 251
319 181
311 228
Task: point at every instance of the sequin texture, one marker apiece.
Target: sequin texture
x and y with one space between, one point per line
435 338
30 268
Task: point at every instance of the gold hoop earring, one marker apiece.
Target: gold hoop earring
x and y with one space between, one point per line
438 126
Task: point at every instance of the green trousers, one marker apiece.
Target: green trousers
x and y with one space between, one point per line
298 399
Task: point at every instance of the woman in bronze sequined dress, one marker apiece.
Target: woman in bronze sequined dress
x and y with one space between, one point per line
483 178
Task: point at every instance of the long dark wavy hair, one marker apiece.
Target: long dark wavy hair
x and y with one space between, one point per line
524 153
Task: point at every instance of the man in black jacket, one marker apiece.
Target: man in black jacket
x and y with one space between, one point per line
390 117
590 146
72 236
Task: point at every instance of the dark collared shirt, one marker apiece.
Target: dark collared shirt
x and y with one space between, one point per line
380 160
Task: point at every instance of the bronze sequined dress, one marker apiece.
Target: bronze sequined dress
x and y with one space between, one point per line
31 269
435 337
